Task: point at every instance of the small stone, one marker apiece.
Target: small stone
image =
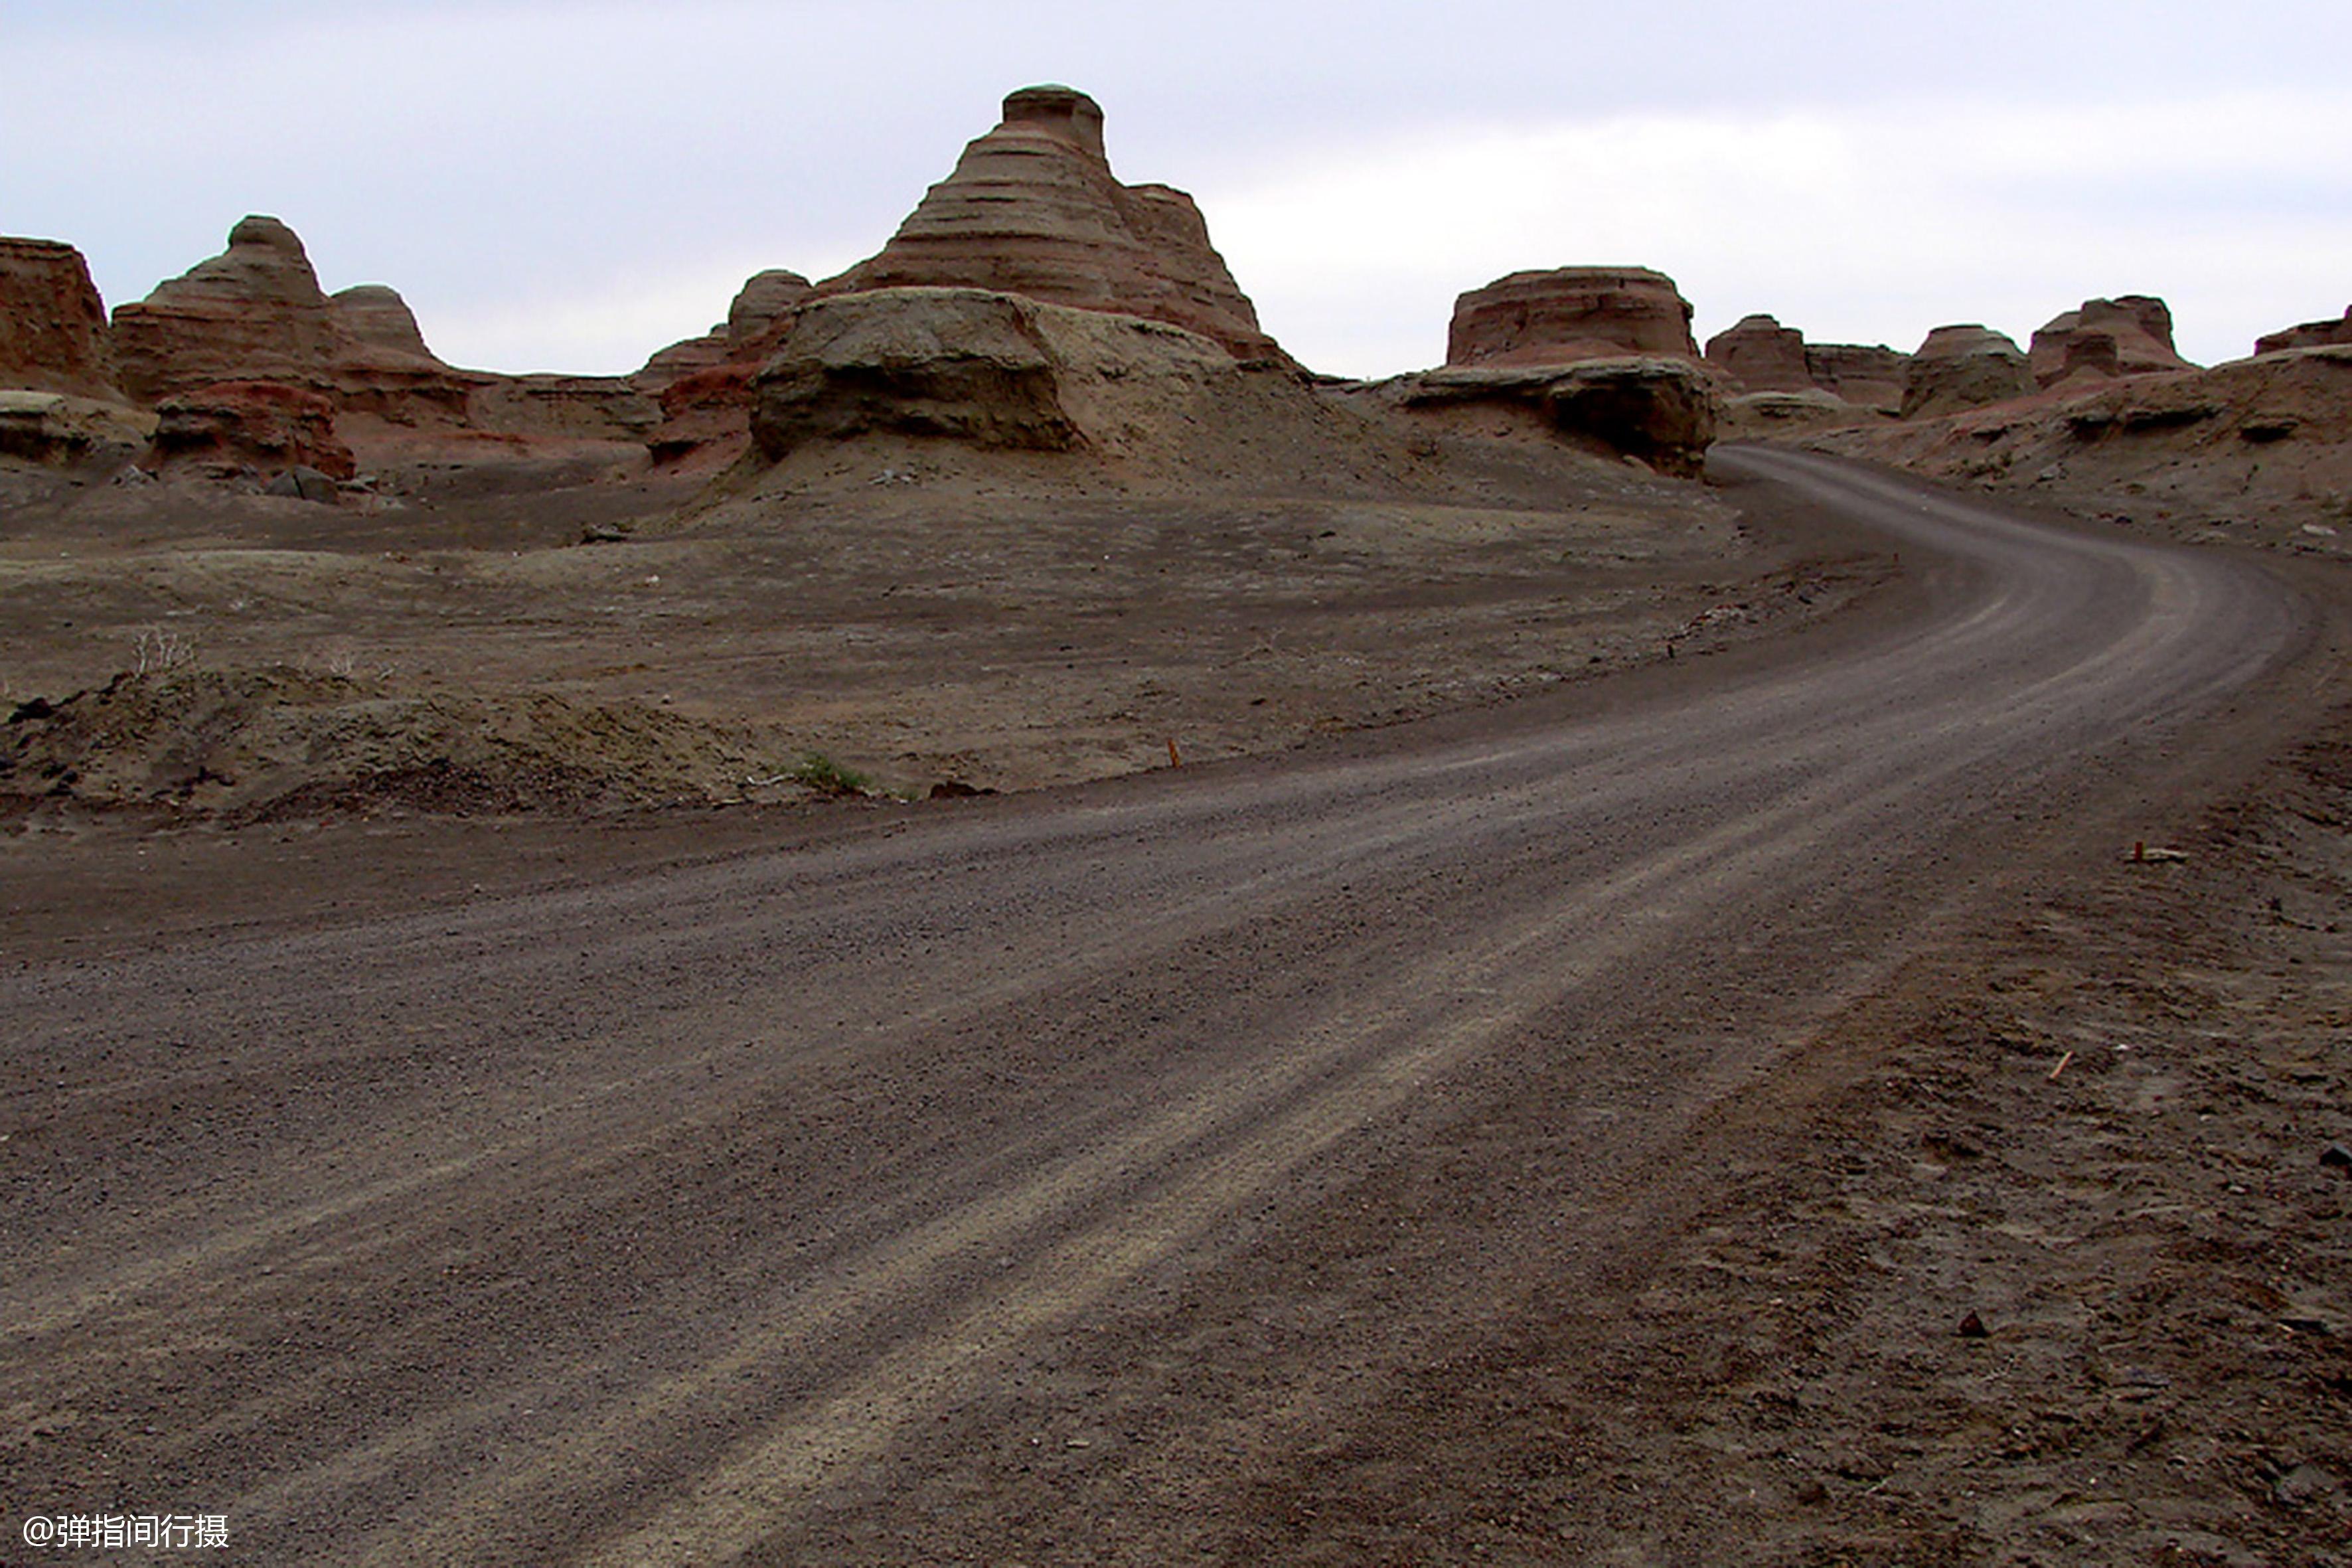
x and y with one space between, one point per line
304 484
1972 1328
2307 1484
2337 1156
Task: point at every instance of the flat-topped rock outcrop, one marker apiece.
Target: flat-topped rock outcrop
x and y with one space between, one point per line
1868 375
1568 314
2129 335
1033 210
1662 412
1961 367
53 330
1760 354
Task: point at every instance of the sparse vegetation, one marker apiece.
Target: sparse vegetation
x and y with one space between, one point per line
821 772
155 649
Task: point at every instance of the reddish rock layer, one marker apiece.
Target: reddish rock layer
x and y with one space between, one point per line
252 424
1760 354
2309 335
53 332
2131 335
1033 209
1568 314
754 323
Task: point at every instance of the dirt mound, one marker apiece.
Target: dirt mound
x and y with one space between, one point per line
279 742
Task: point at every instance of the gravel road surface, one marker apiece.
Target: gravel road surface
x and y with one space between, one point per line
1028 1178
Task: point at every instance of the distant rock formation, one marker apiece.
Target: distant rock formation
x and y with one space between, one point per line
704 385
1963 367
1033 209
2129 335
1568 314
375 314
1760 354
253 312
53 328
2258 449
1869 376
2309 335
256 315
263 425
1664 412
756 317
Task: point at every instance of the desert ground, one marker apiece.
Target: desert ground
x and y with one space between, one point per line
1519 1013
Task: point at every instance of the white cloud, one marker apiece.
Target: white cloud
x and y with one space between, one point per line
1871 224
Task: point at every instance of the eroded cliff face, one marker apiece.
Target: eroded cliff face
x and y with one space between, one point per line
1033 210
53 329
1570 314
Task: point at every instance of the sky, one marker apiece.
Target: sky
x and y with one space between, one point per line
571 186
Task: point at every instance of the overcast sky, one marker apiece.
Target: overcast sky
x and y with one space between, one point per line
570 187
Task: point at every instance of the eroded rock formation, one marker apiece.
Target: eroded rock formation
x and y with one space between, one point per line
1963 367
2130 335
263 425
2308 335
375 315
1663 411
1760 354
253 312
53 328
1033 210
1568 314
1866 375
703 386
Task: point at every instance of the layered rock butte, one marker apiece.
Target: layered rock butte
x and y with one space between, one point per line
1962 367
1033 210
1760 355
1570 314
2128 335
53 329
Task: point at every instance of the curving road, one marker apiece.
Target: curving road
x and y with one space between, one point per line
1027 1178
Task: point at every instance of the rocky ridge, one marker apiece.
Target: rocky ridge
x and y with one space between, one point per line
2308 335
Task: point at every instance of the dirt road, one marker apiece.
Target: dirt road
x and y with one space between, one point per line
1039 1179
